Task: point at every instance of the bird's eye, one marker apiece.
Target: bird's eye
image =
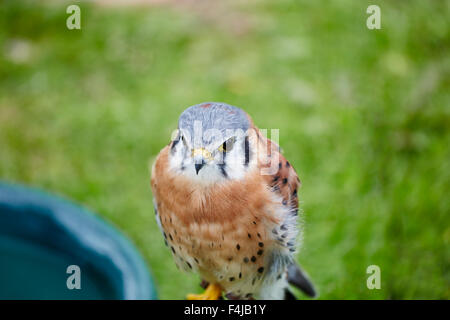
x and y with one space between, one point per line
182 139
227 145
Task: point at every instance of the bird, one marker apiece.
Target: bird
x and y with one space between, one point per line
226 202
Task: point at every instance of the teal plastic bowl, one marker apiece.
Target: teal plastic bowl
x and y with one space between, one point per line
42 235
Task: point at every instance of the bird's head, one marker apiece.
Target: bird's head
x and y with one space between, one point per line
212 143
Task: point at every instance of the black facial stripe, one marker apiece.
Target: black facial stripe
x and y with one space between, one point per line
247 151
224 154
174 143
222 165
222 170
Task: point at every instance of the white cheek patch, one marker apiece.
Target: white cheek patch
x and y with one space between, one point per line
235 160
234 164
176 158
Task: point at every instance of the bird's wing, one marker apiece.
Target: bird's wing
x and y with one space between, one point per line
282 178
284 181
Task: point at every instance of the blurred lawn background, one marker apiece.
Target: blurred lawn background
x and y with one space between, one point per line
363 116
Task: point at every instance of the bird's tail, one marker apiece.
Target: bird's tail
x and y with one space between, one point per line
298 278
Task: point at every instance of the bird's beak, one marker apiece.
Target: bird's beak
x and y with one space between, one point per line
200 155
198 166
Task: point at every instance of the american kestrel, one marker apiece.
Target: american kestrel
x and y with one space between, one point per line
226 202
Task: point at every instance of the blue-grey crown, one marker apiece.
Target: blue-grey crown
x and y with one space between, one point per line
214 115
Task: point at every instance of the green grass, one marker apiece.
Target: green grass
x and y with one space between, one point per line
363 116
